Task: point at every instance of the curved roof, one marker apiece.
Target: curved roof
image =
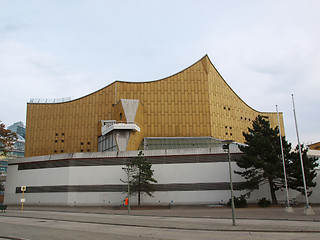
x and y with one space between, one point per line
205 57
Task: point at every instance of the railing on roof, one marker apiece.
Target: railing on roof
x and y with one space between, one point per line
47 100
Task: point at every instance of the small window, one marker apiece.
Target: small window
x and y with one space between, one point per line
230 127
229 109
88 143
224 108
55 151
57 134
61 151
245 118
62 140
55 141
230 134
120 116
226 133
226 126
88 150
81 143
249 119
81 150
241 118
62 134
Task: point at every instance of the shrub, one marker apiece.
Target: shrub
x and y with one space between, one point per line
239 202
263 202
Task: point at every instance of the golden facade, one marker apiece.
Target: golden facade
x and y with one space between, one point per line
195 102
315 146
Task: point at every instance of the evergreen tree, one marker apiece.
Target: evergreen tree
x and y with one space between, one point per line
295 179
262 160
141 176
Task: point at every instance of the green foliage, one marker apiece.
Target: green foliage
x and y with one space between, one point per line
7 139
262 162
141 176
263 202
295 179
239 202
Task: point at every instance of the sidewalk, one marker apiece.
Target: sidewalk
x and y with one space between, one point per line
204 211
251 219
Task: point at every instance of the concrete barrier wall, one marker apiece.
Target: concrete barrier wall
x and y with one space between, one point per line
178 183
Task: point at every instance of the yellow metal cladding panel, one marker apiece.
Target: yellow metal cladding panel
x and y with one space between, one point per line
230 116
67 127
315 146
195 102
168 102
118 113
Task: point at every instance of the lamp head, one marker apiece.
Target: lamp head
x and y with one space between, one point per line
227 141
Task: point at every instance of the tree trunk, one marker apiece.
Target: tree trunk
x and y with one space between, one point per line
273 192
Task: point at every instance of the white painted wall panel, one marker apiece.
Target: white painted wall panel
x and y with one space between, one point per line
102 175
96 175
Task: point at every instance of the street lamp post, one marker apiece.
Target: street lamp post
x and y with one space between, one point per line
128 191
227 146
128 181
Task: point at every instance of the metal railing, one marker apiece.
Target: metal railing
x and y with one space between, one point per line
50 100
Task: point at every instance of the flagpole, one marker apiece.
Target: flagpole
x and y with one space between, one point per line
308 210
288 207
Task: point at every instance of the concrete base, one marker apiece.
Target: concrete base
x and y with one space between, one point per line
289 210
308 211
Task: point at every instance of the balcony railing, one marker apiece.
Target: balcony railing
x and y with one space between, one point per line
111 126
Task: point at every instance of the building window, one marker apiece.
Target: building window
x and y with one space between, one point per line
55 141
57 134
55 151
62 140
62 134
107 143
81 150
88 143
61 151
81 143
120 116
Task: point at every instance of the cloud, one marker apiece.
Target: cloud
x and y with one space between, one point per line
264 50
28 73
10 27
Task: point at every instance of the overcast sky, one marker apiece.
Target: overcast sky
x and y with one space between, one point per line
265 50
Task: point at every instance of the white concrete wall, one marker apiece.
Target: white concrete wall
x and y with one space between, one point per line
214 172
38 177
96 175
